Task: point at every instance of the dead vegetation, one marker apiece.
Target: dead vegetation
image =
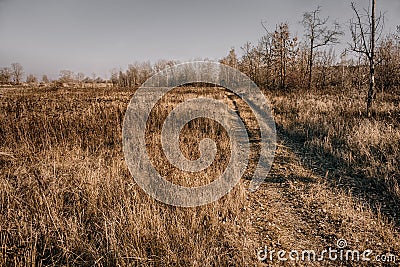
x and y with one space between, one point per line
67 198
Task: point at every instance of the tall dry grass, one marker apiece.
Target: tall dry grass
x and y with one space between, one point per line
335 128
67 198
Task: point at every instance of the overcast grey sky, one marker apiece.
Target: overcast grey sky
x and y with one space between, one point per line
46 36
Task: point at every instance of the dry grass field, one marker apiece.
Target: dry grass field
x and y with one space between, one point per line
336 175
67 197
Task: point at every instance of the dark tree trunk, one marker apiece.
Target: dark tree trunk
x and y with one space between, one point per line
310 64
371 90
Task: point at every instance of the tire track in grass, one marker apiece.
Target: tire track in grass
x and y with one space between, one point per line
296 209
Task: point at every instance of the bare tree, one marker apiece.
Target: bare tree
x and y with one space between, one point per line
45 79
31 79
231 59
284 49
319 34
122 79
114 77
247 61
66 76
5 75
163 64
145 71
17 71
79 77
364 29
132 74
279 50
267 66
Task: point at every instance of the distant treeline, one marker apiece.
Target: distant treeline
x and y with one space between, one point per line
279 60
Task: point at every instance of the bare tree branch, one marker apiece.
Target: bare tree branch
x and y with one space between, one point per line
319 34
370 28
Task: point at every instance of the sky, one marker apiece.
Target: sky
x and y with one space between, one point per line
95 36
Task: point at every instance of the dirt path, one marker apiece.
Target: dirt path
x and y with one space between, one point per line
297 209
